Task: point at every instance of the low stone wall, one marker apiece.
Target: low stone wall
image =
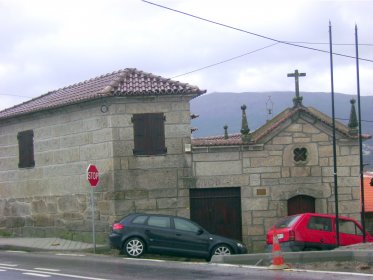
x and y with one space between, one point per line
68 216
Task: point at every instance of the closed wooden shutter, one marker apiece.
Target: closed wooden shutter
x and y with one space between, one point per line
26 149
149 136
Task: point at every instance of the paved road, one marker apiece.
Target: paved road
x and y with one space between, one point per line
22 265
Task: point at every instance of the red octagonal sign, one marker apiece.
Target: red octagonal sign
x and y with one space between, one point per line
92 175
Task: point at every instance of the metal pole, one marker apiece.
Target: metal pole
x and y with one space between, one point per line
334 140
93 222
360 140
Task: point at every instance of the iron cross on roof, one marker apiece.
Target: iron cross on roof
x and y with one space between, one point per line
297 99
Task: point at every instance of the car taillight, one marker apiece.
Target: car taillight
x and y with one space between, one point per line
117 226
291 235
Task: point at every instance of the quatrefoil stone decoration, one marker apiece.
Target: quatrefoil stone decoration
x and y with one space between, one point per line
300 154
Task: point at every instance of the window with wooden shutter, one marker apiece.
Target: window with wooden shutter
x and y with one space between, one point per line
26 149
149 137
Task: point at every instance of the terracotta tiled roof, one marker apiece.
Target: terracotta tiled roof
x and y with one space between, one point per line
127 82
233 139
270 126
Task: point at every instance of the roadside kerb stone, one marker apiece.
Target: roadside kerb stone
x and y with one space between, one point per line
364 256
265 259
49 244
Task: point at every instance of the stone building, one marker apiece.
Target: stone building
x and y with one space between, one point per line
283 168
135 127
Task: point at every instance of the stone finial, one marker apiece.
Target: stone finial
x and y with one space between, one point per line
226 132
353 123
245 136
297 101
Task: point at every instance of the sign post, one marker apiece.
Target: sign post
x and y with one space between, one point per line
93 179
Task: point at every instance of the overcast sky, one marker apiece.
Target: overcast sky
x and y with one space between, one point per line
46 45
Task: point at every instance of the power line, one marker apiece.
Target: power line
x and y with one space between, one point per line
334 44
342 119
251 33
224 61
15 95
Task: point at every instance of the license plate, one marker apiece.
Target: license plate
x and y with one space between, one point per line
280 235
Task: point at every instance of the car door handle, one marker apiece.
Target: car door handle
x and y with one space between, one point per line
178 234
322 240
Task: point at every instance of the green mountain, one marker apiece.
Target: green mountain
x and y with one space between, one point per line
224 108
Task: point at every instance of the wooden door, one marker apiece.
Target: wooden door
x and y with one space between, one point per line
301 204
218 210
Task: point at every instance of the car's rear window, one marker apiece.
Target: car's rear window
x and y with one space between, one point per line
139 220
287 221
320 223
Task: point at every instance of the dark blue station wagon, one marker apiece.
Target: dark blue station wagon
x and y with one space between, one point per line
137 234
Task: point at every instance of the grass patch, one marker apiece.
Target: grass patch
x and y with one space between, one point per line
4 233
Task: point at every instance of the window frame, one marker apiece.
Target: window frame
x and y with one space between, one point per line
140 220
300 154
180 225
349 227
320 223
26 149
159 222
287 221
149 134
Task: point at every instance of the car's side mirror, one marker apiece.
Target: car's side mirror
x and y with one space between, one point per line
200 231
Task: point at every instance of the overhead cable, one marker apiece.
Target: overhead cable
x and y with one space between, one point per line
224 61
251 33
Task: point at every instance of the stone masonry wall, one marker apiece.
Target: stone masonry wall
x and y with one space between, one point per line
269 176
53 198
152 183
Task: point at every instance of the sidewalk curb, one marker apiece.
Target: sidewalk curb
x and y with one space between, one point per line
265 259
48 244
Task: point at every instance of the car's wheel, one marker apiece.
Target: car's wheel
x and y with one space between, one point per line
134 247
221 249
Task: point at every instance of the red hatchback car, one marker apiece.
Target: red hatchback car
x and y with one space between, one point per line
312 231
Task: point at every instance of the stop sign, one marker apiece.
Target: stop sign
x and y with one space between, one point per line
92 175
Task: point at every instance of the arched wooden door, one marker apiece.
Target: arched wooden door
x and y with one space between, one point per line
301 204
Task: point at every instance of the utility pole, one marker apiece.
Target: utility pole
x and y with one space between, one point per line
334 140
360 140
